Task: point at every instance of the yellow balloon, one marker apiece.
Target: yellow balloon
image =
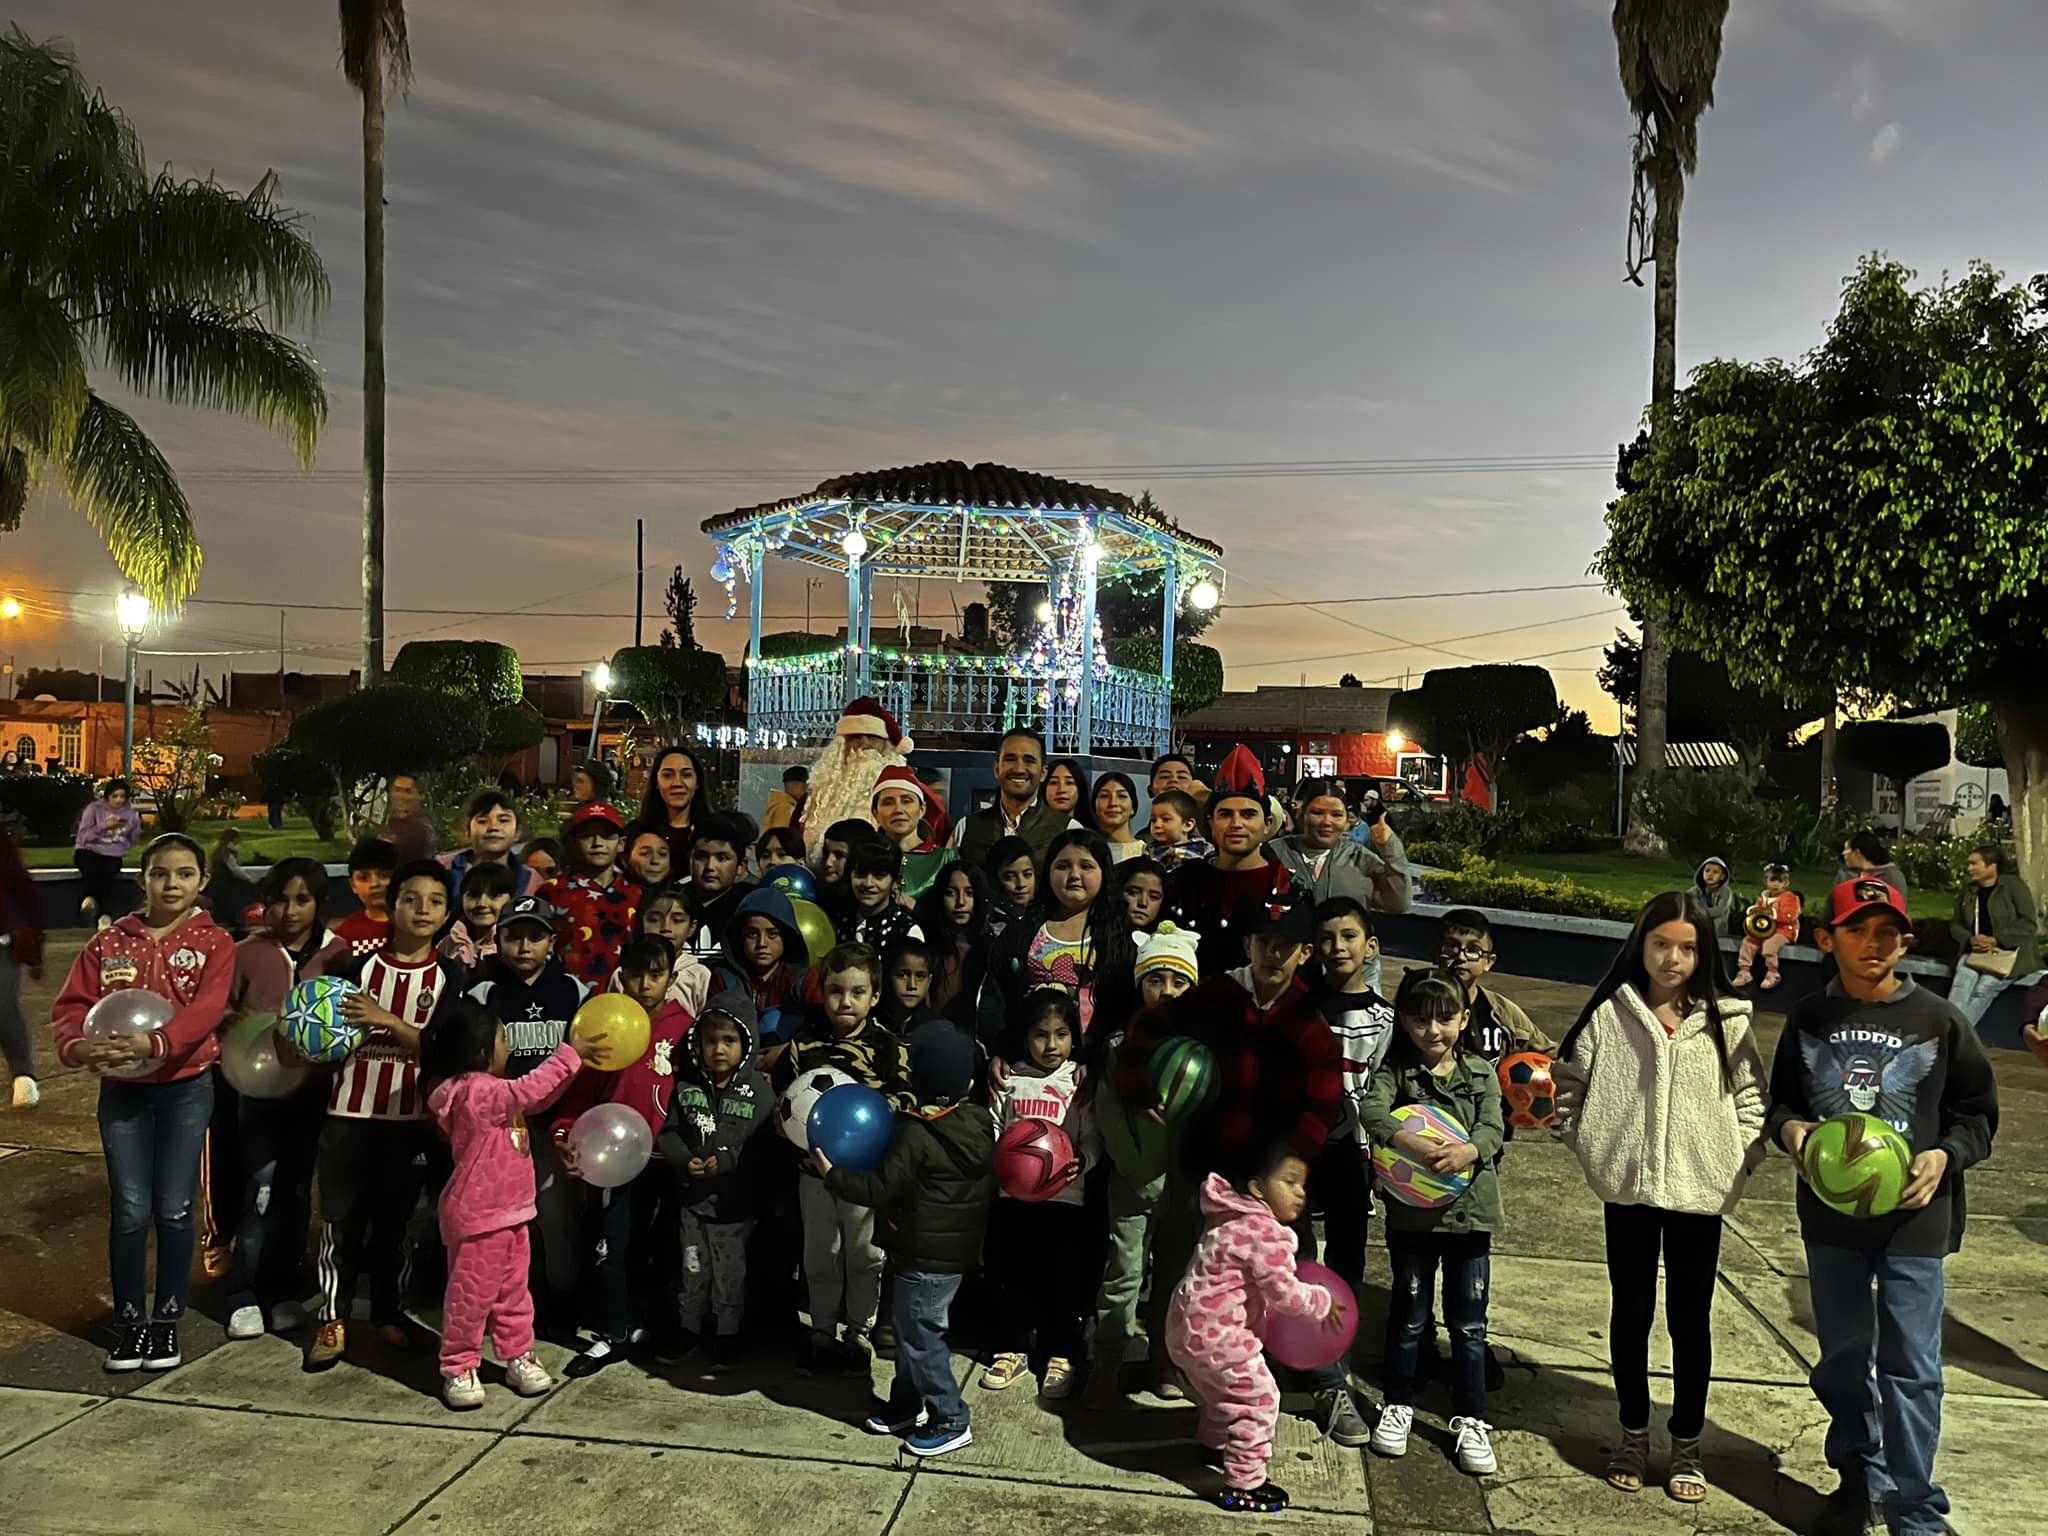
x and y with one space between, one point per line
617 1026
816 927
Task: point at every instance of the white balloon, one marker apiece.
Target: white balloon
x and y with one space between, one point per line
250 1063
612 1145
130 1011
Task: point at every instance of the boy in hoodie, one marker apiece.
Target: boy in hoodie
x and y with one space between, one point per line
279 1137
536 1000
765 957
842 1265
1878 1044
718 883
1712 893
721 1103
933 1192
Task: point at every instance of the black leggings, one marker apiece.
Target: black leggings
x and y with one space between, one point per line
1692 1253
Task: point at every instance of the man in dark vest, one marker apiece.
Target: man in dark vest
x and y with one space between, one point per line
1020 774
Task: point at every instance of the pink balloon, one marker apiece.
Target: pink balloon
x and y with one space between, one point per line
1304 1343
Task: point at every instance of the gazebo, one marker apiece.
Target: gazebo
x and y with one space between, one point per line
953 523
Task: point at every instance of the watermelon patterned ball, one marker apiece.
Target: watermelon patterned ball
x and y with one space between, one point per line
311 1019
1406 1180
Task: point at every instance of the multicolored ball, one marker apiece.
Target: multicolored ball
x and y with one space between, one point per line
1184 1072
311 1019
1405 1179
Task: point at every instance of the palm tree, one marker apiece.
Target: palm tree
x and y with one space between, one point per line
373 43
172 286
1670 51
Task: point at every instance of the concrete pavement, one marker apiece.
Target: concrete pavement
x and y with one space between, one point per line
239 1436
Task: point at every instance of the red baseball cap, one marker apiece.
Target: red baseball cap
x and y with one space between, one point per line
596 810
1853 898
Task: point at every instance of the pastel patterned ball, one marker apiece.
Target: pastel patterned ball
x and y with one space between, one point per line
1406 1180
311 1019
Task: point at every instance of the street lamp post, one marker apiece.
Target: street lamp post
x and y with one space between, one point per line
131 612
601 676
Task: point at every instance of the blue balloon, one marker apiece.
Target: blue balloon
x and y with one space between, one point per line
851 1125
794 881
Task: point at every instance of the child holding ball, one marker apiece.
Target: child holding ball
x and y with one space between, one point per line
156 1094
1660 1092
1243 1274
1431 1063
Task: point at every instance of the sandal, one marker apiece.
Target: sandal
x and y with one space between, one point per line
1625 1468
1266 1499
1687 1482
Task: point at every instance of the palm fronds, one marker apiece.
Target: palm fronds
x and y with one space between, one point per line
371 27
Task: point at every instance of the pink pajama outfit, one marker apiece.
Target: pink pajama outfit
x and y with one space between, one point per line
1243 1270
486 1204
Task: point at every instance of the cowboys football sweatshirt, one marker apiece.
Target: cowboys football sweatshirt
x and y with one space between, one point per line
1912 1061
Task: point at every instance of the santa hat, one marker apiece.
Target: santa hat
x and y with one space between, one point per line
934 817
866 717
1169 949
1239 775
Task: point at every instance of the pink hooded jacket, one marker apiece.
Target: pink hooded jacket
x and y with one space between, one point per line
484 1119
1243 1269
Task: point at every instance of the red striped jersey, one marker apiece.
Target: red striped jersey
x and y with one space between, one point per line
381 1082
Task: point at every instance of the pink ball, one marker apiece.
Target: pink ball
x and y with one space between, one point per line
1304 1343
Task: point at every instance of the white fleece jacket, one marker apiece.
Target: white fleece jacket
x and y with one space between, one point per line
1649 1114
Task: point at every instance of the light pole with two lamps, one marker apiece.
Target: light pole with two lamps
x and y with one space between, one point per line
131 612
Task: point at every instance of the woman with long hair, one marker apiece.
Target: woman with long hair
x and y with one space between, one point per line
1112 802
1064 785
1661 1095
1075 936
953 915
678 795
107 829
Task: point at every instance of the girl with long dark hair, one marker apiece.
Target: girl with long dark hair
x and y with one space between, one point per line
1075 936
1661 1095
953 916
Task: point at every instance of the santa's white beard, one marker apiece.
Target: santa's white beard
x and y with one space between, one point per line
843 788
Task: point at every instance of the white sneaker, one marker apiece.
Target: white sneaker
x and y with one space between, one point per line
1472 1449
462 1391
528 1377
286 1317
1390 1435
246 1323
26 1094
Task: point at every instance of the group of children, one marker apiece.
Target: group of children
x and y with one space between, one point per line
1767 925
469 975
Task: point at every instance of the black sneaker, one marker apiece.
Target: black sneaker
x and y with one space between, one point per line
595 1357
131 1343
725 1355
672 1346
162 1350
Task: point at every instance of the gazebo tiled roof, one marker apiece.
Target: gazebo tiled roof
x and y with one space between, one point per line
932 520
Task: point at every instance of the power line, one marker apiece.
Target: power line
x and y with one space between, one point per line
1417 597
1483 634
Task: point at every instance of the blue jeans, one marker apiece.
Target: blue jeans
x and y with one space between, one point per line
1466 1260
153 1133
920 1306
1879 1377
1973 992
280 1142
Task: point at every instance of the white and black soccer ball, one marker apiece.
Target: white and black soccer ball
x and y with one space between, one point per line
793 1113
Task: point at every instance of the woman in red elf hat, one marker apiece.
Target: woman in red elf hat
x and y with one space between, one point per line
866 741
908 812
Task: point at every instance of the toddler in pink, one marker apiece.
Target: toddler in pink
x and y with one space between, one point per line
1242 1273
489 1198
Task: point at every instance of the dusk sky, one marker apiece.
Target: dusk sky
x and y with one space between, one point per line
631 244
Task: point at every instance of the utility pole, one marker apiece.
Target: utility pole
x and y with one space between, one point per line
639 574
280 660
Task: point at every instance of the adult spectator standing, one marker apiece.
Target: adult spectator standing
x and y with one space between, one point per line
1324 861
591 781
410 830
1172 771
785 806
21 949
1018 811
677 786
1866 854
1207 896
107 829
1996 929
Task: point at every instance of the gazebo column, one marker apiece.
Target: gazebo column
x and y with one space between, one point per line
867 628
754 608
1084 726
1169 612
850 680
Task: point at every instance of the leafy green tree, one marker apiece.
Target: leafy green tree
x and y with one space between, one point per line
175 288
362 738
1474 714
681 602
1868 519
670 687
1197 668
65 683
375 52
1899 750
1977 738
287 773
472 669
1669 52
1706 704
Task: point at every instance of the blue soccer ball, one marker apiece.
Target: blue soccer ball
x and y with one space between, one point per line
311 1019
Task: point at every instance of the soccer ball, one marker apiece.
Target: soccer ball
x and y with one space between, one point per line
793 1113
1184 1072
1405 1179
1529 1090
311 1019
1034 1160
1857 1164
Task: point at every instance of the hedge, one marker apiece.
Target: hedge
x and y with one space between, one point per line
1479 884
1197 668
481 670
44 807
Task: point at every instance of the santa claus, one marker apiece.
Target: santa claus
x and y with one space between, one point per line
866 742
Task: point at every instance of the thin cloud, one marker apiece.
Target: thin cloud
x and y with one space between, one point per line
1885 143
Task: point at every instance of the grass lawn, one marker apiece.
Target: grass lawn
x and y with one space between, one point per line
1637 880
260 845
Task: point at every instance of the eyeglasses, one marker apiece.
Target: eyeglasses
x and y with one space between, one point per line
1462 952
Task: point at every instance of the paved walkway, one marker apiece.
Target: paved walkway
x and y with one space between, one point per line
240 1437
